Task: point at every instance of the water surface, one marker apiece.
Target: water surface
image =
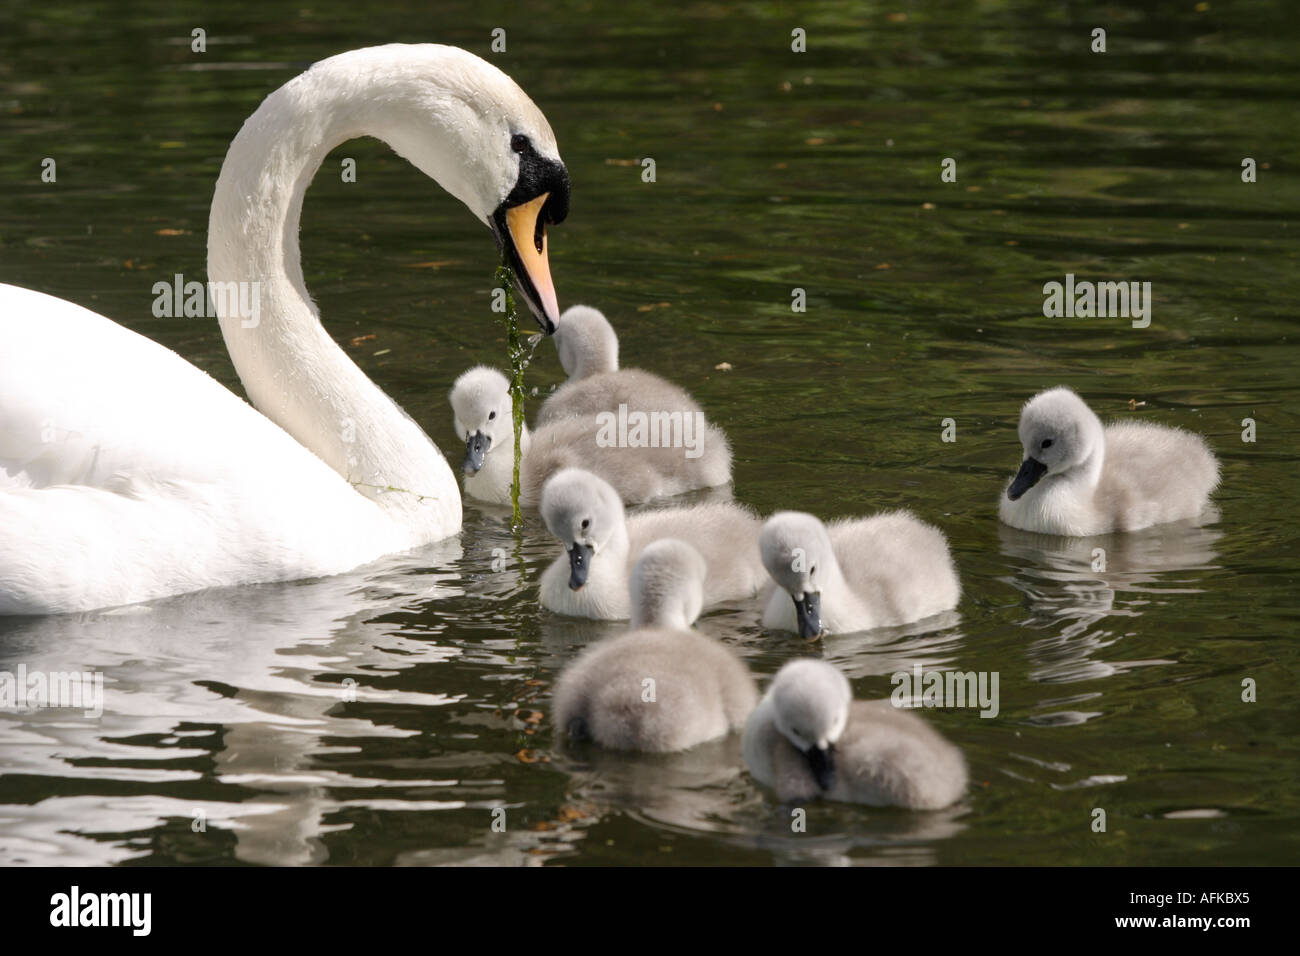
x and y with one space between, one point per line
1120 689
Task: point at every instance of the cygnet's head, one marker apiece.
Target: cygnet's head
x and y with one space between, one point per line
1059 432
585 513
480 405
810 707
586 342
667 585
797 553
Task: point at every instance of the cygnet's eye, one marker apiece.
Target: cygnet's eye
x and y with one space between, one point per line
1047 443
519 142
586 523
812 570
491 415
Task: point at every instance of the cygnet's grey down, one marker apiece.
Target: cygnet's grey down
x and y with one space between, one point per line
590 579
662 687
691 455
1080 478
808 738
854 574
588 349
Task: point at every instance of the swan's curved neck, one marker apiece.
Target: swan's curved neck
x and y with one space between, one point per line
292 370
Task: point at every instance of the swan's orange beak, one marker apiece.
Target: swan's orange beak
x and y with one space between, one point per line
532 268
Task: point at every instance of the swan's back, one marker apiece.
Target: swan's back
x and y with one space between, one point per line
725 534
1153 474
897 564
700 691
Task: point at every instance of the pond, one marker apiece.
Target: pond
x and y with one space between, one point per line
775 171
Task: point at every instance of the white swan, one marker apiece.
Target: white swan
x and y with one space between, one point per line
1080 478
480 401
590 579
128 474
854 574
808 738
663 687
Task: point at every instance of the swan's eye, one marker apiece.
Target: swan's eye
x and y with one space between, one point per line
519 142
586 523
1047 443
812 570
491 415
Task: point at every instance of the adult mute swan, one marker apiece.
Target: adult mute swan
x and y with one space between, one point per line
127 474
1080 478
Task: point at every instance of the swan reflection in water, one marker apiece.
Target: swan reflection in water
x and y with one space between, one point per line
1080 589
236 694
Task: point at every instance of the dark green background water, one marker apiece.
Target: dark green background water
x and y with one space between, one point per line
1119 690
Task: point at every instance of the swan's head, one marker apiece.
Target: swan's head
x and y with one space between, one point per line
810 702
481 411
797 553
667 585
1058 432
585 513
586 342
466 124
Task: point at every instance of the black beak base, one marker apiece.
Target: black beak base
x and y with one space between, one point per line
476 447
809 613
822 764
1030 471
579 565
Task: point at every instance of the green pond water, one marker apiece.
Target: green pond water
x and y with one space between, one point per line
1119 689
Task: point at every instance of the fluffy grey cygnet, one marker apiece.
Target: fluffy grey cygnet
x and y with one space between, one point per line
590 579
808 739
687 454
854 574
588 349
662 687
1082 478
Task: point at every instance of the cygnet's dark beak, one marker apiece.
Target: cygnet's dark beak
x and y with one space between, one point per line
476 447
1030 471
809 613
579 565
822 764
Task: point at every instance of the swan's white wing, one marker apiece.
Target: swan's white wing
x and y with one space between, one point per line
86 401
127 473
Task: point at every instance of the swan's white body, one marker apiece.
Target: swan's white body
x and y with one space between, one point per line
881 756
1092 479
127 474
699 690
